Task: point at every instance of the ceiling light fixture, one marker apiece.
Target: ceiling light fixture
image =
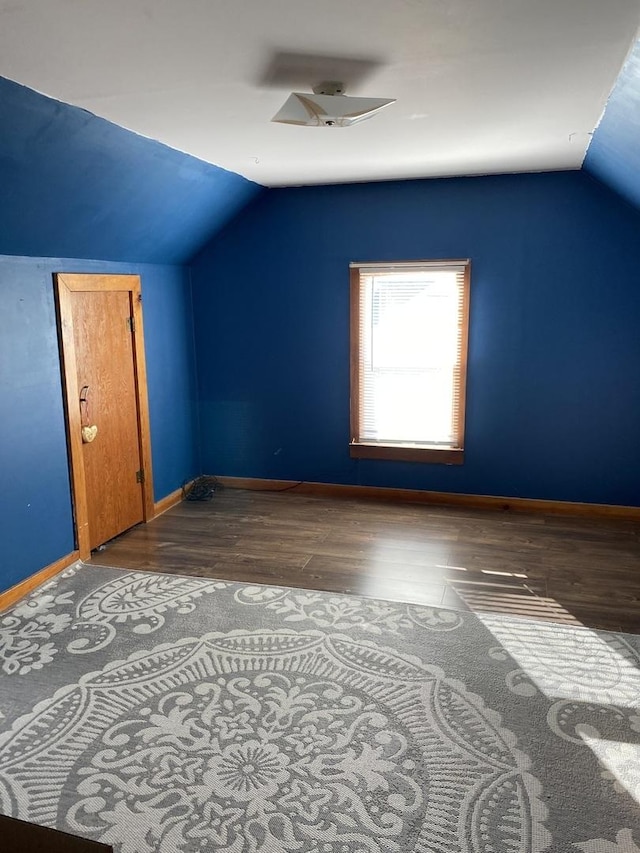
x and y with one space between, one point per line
328 106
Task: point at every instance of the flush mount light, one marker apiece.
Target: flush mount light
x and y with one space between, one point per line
328 106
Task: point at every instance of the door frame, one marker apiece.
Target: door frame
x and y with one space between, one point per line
64 285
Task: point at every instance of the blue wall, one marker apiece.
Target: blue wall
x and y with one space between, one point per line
74 185
553 407
35 505
553 401
614 153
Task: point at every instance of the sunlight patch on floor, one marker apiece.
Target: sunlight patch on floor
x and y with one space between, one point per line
567 661
621 761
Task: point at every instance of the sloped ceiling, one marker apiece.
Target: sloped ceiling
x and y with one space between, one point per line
482 86
614 153
74 185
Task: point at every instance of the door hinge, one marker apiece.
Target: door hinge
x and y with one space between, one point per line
140 476
131 323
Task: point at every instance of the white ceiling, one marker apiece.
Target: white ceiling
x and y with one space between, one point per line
482 86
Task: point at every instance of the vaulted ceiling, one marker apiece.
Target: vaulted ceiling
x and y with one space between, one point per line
614 153
77 186
482 86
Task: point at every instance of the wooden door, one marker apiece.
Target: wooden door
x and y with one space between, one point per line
105 381
107 398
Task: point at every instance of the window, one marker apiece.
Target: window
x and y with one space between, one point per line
408 360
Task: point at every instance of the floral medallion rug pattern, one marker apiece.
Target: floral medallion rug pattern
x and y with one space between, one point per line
165 714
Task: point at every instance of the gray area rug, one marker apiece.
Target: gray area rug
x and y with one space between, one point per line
173 714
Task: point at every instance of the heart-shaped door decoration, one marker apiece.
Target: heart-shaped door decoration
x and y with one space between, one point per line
89 433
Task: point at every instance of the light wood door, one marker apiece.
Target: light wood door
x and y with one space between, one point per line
100 320
106 380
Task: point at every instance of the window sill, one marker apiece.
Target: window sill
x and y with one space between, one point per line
407 453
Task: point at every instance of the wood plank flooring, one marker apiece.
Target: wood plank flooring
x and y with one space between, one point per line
570 570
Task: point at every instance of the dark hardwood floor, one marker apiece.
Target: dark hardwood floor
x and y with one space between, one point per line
571 570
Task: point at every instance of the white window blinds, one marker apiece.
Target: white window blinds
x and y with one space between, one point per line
411 353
